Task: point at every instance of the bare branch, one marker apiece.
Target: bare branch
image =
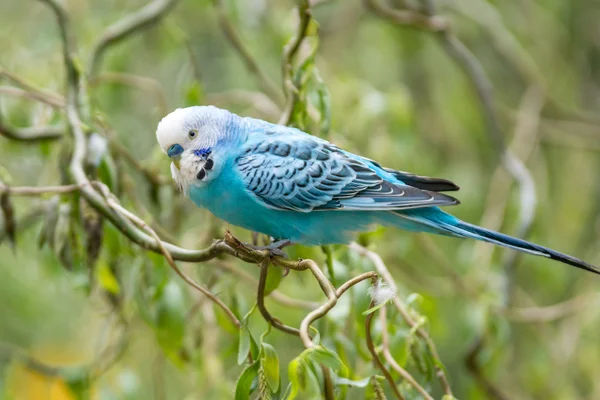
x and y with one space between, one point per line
289 53
390 359
376 360
37 190
266 84
42 95
553 312
31 134
382 270
18 92
135 81
276 295
408 18
260 301
139 222
129 25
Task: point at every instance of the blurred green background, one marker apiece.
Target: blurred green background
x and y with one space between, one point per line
396 96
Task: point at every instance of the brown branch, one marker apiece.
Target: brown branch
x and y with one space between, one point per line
408 18
31 134
41 95
289 53
22 93
276 295
376 360
27 191
132 23
382 270
320 311
140 82
266 84
143 225
332 296
260 302
553 312
473 366
385 350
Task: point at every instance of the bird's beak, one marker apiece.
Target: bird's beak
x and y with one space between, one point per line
174 154
176 161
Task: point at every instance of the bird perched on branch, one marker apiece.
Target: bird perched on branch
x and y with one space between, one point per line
298 188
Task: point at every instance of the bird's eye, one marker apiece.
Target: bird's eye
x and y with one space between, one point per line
192 134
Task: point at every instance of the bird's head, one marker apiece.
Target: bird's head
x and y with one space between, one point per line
189 137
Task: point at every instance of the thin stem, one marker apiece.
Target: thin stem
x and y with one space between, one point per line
289 53
260 301
32 134
38 190
376 360
382 270
390 359
135 81
132 23
332 295
138 221
42 95
266 84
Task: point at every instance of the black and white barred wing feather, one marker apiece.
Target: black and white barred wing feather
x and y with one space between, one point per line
302 173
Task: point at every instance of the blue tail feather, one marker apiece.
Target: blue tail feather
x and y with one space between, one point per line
449 224
501 239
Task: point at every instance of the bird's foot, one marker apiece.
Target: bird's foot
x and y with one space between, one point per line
275 248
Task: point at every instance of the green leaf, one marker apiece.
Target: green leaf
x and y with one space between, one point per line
400 346
326 357
414 298
61 231
244 345
78 382
10 223
50 218
303 380
324 104
373 309
107 172
193 94
270 364
170 319
274 277
244 383
106 278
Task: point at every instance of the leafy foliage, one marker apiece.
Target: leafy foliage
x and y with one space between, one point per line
86 313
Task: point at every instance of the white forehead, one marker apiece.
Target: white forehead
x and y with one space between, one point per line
172 128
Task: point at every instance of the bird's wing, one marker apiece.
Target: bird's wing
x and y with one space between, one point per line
302 173
418 181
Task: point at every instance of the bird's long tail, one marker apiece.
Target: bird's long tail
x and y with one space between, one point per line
455 227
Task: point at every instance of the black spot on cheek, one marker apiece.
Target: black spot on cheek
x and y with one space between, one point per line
209 164
201 174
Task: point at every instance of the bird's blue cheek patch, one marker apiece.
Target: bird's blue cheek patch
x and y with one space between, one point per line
204 152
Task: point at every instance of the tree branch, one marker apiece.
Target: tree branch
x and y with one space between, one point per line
129 25
266 84
32 134
376 360
289 53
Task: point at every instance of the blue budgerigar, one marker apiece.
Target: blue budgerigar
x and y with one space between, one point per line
298 188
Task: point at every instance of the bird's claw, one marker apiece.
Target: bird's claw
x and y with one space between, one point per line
277 252
275 248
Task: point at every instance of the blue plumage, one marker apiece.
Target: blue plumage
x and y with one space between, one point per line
290 185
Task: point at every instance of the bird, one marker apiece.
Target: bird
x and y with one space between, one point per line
300 189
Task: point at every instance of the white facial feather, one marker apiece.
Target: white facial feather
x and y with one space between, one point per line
171 129
209 125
